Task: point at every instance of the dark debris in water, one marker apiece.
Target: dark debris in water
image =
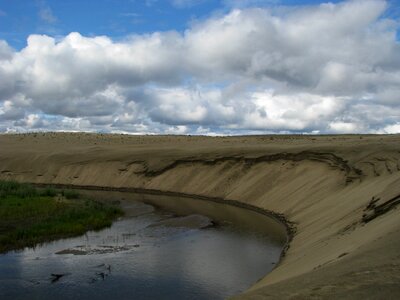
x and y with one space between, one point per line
102 274
56 277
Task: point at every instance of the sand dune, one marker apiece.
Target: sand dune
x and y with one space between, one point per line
340 193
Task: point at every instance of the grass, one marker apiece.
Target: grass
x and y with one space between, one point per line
29 216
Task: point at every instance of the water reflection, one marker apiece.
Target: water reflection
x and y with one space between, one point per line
142 262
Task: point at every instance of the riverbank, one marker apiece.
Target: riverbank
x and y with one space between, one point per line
341 193
175 202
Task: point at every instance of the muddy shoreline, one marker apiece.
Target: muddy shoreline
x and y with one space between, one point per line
290 226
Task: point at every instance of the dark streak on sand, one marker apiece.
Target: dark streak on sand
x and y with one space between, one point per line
331 159
374 210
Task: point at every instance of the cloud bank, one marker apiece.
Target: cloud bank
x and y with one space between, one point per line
331 68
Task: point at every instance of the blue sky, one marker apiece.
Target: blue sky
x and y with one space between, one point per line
114 18
200 66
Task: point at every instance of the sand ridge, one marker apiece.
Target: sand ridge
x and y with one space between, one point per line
341 192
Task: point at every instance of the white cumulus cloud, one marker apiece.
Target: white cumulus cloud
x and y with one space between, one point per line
323 68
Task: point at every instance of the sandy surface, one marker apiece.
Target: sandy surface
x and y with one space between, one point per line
341 192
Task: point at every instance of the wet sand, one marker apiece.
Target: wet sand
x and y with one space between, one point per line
341 194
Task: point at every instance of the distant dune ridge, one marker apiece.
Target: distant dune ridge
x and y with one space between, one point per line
340 192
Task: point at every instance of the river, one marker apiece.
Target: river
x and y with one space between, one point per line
163 248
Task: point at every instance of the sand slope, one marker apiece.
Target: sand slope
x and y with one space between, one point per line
341 192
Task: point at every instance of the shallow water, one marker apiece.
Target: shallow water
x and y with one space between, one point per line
137 259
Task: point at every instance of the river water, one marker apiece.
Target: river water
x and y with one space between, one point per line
150 253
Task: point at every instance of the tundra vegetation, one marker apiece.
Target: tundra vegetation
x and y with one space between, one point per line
30 216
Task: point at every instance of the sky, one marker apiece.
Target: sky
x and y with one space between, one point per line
208 67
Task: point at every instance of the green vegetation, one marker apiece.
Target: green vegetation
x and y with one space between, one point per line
70 194
29 216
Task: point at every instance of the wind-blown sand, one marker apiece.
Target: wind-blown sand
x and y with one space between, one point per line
341 193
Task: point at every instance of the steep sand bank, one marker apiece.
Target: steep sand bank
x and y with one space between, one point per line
341 192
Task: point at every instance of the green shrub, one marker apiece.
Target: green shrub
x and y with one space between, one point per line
49 192
70 194
13 188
